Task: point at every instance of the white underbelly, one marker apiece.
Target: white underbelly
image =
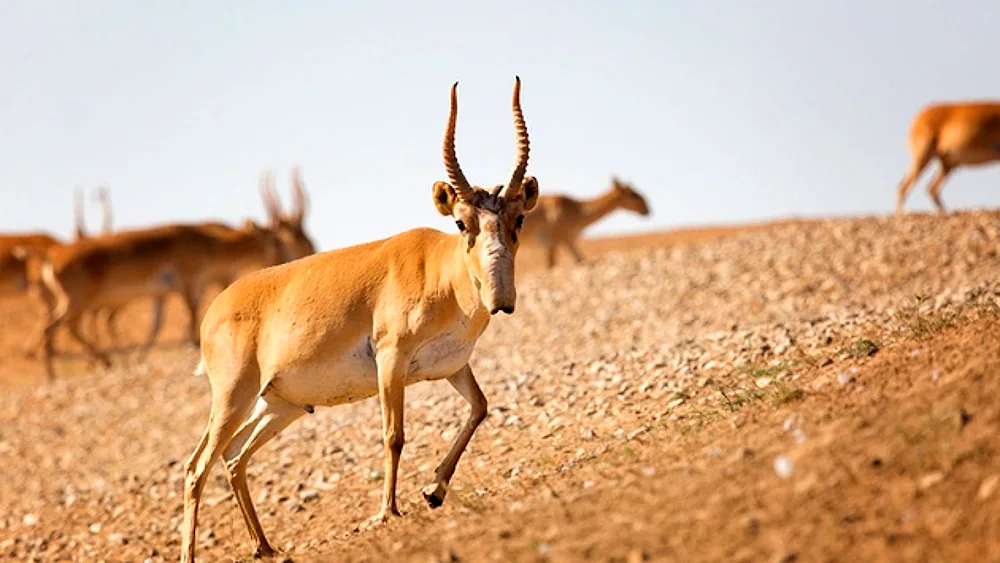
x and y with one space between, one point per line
353 376
440 358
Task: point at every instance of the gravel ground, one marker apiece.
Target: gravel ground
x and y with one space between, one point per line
639 342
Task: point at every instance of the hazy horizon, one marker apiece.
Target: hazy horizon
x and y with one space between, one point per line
718 112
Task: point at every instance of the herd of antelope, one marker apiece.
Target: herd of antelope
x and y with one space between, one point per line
102 273
294 329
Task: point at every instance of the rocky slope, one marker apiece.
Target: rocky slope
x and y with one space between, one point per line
610 374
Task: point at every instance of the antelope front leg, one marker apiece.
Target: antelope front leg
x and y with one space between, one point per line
392 366
465 383
33 342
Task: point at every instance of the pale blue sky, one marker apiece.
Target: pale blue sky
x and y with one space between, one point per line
718 110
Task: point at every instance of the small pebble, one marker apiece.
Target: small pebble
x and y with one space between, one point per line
988 486
843 378
931 479
784 466
789 422
935 375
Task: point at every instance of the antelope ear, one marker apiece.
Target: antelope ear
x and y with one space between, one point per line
529 188
444 198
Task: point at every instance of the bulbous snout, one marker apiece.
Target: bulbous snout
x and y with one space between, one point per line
499 297
498 291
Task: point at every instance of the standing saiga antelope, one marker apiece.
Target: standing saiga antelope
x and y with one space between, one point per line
956 134
559 220
348 324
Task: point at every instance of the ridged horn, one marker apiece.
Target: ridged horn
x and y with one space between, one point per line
462 188
299 198
523 146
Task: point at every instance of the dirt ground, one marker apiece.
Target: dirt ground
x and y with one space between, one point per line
799 391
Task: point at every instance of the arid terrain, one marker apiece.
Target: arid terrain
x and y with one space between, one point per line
821 390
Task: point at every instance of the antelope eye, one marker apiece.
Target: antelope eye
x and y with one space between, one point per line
519 222
461 225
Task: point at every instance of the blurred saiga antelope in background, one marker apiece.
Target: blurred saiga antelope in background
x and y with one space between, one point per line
19 274
559 220
115 270
348 324
110 271
956 134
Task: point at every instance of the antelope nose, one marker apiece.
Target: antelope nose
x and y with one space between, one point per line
509 310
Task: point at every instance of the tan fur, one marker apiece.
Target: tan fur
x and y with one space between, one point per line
15 274
367 320
559 220
956 134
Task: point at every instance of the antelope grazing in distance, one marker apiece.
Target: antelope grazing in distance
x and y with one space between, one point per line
349 324
559 220
956 134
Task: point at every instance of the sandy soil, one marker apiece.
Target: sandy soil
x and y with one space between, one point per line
808 390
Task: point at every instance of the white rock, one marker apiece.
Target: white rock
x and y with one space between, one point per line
784 466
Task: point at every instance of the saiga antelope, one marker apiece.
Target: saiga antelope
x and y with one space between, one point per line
246 254
559 220
18 276
289 229
109 271
114 270
348 324
956 134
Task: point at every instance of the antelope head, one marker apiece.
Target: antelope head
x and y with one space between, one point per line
289 227
628 198
488 220
274 249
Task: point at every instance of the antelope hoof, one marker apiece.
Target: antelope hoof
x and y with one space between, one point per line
381 518
262 551
434 494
